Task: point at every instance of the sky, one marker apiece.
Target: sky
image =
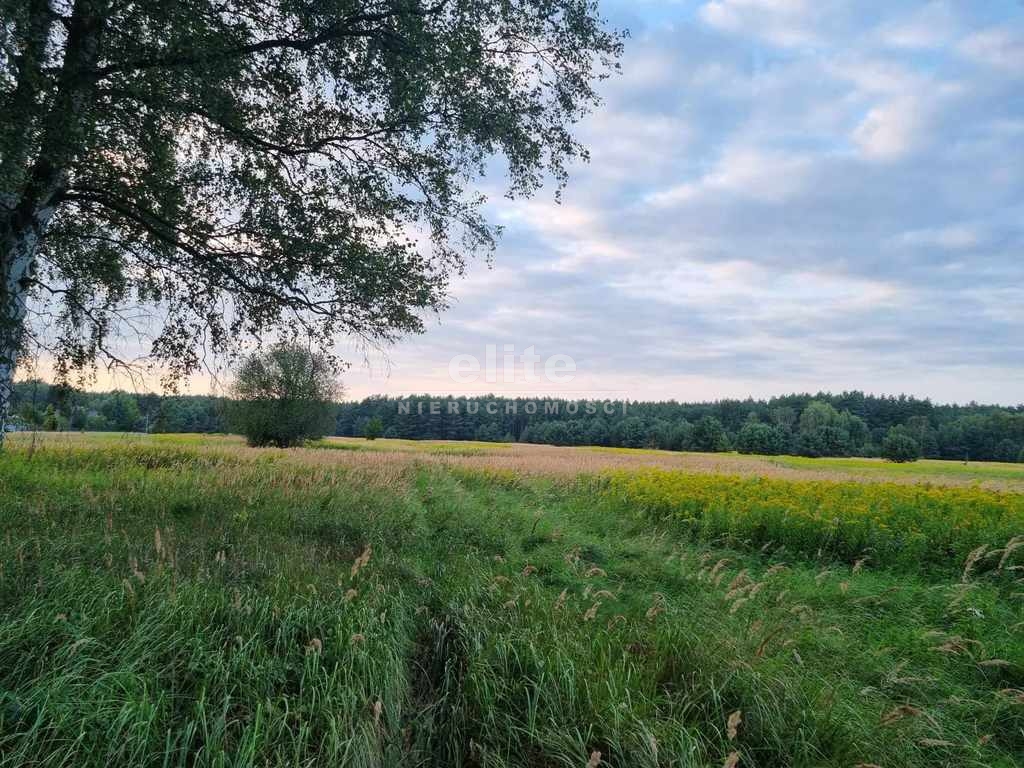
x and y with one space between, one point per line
783 195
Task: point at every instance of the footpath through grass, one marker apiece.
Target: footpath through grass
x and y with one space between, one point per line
164 605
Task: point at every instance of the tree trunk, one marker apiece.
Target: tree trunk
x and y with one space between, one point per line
18 116
31 191
17 254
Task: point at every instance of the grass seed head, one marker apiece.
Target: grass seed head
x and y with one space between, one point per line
362 561
733 724
972 560
560 600
1011 546
934 743
899 713
741 580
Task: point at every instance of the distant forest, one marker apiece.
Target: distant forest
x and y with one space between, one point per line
847 424
824 424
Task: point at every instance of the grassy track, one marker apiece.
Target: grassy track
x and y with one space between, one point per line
181 602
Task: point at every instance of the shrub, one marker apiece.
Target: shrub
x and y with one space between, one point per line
283 396
373 429
900 447
756 437
709 436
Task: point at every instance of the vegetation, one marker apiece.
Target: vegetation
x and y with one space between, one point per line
118 411
283 396
848 424
168 602
854 425
900 447
759 438
903 525
374 429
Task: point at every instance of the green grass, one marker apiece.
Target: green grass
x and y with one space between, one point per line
167 604
975 470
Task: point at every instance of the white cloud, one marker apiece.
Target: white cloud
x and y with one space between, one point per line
629 147
908 122
873 75
745 172
893 130
932 25
756 293
999 47
949 238
786 23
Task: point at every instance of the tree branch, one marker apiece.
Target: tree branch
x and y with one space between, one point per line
346 28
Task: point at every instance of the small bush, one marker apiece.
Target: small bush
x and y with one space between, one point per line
759 438
373 429
900 447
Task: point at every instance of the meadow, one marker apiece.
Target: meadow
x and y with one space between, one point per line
188 601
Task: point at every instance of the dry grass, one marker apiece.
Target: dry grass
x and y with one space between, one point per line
386 461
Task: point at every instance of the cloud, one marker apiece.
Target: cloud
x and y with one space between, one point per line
892 130
908 122
999 47
948 238
929 26
781 22
766 176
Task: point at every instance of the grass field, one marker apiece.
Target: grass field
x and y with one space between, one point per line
187 601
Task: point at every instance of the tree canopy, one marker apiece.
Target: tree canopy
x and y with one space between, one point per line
283 397
247 166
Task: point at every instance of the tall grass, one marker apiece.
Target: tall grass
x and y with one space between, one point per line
169 605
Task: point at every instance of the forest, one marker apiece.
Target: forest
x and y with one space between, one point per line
822 424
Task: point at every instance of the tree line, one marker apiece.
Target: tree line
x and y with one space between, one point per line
38 405
823 424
